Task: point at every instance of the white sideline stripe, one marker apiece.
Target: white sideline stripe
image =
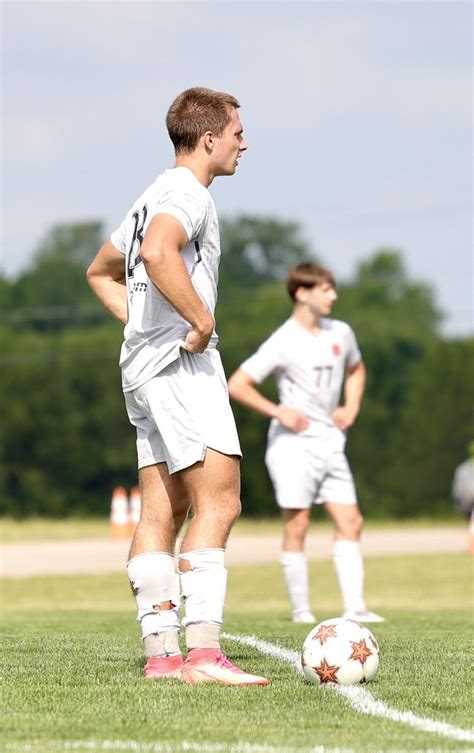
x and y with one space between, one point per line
271 649
359 698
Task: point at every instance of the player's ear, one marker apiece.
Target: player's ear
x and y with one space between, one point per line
209 141
300 294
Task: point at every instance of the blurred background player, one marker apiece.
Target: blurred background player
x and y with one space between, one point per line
158 275
462 492
311 357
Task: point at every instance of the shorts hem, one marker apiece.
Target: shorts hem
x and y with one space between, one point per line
295 507
230 453
181 465
321 501
318 501
187 463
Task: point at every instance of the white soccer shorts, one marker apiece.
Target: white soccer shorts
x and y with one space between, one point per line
308 470
182 411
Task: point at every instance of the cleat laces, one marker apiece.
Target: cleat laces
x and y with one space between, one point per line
222 661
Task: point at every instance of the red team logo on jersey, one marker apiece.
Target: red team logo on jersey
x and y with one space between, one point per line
336 349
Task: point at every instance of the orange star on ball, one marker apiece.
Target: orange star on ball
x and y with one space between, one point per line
325 672
325 632
360 651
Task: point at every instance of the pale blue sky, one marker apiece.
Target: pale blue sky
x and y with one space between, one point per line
358 115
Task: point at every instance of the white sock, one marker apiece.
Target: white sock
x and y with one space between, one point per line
203 586
349 567
154 580
161 645
295 570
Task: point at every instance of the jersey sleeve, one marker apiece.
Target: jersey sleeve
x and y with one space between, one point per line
119 238
264 361
353 352
189 208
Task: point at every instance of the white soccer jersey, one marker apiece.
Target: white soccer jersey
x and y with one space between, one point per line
309 369
155 331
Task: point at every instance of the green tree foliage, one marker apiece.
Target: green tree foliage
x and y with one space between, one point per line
65 440
395 321
64 433
52 294
435 429
256 250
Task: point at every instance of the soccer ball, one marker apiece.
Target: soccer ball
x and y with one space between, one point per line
339 651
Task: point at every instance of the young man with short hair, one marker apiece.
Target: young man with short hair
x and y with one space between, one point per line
311 357
158 275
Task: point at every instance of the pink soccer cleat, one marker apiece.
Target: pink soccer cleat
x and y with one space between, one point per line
211 665
163 666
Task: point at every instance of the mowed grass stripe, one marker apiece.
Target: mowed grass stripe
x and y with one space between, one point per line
184 747
133 746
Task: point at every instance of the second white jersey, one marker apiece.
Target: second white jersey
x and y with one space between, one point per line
155 331
309 369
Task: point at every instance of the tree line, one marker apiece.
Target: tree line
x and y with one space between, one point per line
65 440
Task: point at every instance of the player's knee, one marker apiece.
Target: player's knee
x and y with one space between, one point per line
349 526
234 509
354 525
228 512
222 514
299 530
297 527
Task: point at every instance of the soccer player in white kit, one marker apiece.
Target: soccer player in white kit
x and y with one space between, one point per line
311 357
158 275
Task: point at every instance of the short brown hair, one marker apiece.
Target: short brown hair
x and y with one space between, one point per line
307 274
196 111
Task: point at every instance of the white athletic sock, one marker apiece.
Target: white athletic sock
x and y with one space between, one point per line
295 570
349 567
203 586
154 580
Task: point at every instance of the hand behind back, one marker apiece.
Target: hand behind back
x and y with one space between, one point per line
197 340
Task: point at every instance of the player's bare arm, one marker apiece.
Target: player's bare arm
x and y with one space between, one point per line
242 389
354 386
161 254
106 277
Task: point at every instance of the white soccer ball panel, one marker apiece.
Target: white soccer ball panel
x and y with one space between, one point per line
371 640
311 675
350 673
371 667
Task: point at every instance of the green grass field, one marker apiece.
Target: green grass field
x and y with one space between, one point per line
72 667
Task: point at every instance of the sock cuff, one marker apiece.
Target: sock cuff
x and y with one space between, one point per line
290 558
343 548
152 557
203 635
198 558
